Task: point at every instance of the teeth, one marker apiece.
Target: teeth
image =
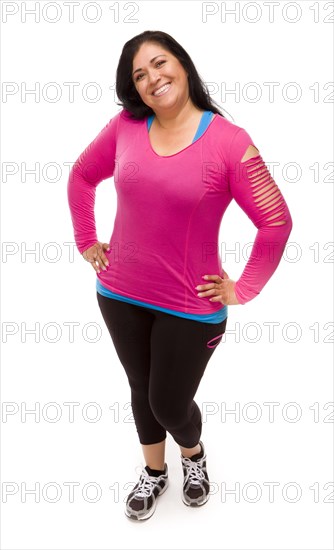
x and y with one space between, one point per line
162 89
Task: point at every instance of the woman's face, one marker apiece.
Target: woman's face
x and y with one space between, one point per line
154 68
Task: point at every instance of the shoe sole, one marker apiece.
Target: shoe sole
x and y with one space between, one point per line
150 512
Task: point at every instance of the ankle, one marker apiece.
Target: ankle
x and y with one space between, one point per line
156 467
187 453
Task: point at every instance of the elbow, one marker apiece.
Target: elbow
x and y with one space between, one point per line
285 224
286 228
288 222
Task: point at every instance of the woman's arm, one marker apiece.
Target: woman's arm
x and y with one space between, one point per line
95 164
255 191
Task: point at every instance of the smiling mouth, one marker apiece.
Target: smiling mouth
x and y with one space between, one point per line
162 90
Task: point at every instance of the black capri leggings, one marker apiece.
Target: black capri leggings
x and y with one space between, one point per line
164 357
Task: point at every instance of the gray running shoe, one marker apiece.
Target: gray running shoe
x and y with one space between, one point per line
196 485
142 501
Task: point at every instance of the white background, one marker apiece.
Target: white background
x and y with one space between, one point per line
54 285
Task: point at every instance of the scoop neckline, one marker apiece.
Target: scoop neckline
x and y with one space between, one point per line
182 150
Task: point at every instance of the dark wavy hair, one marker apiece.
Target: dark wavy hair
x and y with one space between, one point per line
125 88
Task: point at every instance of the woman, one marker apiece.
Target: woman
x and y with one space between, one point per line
177 163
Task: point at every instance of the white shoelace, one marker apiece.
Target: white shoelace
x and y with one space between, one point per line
146 485
194 472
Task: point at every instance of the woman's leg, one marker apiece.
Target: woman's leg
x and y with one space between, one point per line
130 328
180 351
155 455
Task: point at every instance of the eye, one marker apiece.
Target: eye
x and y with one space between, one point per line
157 63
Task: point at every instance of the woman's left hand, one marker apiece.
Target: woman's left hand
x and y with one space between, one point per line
219 290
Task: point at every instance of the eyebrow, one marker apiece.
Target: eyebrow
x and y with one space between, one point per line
140 69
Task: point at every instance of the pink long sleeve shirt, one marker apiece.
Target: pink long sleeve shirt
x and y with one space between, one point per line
169 211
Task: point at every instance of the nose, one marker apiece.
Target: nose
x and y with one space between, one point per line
153 77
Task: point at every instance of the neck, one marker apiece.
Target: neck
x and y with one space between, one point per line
176 118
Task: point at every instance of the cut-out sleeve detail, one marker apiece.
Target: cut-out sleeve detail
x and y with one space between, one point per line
95 164
255 191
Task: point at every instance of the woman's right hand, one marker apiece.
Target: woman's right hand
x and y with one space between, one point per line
96 256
